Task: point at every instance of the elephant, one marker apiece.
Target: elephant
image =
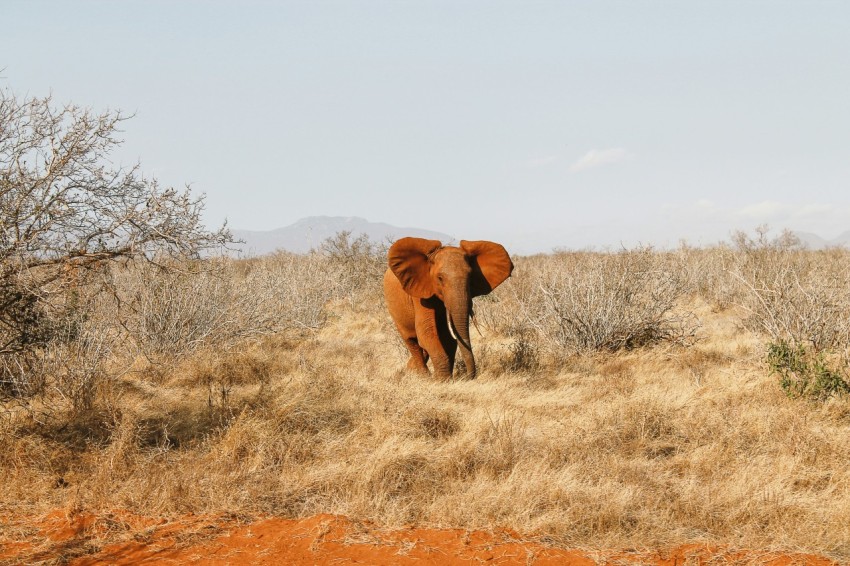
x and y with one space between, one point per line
429 288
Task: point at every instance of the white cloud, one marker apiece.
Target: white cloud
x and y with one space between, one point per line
600 157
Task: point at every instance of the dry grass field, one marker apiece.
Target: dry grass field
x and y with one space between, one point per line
624 400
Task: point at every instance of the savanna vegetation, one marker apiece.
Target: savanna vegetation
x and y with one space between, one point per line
625 398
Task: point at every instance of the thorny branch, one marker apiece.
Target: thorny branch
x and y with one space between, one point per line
66 209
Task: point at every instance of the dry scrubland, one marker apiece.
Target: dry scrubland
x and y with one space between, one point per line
625 399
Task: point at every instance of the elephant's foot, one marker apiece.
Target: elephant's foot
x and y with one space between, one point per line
442 368
417 365
463 371
418 356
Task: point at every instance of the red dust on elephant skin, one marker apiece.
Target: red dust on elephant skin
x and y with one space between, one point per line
429 290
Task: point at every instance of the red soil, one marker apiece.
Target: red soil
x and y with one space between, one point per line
122 538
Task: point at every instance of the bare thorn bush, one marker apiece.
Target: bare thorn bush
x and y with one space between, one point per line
358 265
709 272
65 209
604 301
794 295
220 302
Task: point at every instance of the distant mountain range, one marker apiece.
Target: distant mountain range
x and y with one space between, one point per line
815 242
308 233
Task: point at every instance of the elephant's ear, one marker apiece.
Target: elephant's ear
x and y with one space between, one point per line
408 260
490 263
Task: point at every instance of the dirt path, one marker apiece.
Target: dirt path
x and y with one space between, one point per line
122 538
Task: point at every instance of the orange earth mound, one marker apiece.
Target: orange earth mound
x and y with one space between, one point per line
123 538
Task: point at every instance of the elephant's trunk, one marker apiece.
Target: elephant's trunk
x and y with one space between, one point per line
457 311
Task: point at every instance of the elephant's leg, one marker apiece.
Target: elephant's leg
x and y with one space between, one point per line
432 338
425 358
451 349
418 356
400 306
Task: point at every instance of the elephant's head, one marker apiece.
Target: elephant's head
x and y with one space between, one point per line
452 274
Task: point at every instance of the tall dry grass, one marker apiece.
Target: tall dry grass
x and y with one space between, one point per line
629 444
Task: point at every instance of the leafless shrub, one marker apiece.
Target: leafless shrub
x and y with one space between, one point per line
219 302
71 366
65 210
29 326
169 311
707 272
604 301
794 295
303 285
358 264
80 366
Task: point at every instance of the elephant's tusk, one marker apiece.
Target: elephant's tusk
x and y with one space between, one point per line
453 330
451 326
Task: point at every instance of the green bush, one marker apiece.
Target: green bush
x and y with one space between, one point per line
804 373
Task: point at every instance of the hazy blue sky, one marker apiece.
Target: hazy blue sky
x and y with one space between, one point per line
537 124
